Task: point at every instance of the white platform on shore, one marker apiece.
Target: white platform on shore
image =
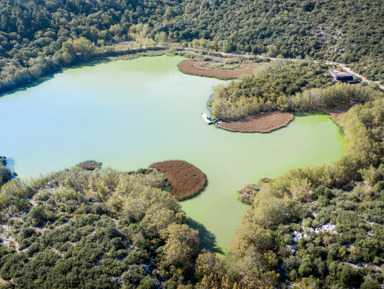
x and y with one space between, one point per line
206 119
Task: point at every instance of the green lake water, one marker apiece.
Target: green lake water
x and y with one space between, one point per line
131 113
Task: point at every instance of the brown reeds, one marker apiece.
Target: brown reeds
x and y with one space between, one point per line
197 67
264 122
184 179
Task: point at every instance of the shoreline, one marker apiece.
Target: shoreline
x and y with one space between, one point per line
197 67
262 123
163 50
96 59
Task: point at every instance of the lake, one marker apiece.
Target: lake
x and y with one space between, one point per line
131 113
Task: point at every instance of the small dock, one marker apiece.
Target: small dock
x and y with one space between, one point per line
206 118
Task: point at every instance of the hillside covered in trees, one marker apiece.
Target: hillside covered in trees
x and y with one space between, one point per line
41 37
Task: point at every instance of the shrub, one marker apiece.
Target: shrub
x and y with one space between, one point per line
90 165
5 175
370 285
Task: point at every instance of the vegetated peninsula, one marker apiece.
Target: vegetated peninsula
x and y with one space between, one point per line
265 101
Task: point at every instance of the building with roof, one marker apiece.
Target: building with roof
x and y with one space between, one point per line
342 76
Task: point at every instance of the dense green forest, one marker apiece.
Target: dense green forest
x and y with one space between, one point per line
38 37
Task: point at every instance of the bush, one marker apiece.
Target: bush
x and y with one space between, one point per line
5 175
147 283
90 165
370 285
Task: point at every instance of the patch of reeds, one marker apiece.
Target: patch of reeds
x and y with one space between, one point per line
185 180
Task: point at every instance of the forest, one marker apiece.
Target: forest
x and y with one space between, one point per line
40 37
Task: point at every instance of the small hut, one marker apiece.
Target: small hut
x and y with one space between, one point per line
342 76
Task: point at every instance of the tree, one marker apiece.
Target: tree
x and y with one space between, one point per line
370 285
181 247
147 283
5 175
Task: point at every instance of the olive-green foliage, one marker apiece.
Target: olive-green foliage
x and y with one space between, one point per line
13 195
71 234
5 175
370 285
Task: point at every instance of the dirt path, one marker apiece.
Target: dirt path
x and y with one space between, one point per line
247 55
347 69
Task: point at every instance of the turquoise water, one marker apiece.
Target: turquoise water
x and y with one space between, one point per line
131 113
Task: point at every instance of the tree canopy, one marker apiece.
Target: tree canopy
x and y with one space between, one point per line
41 37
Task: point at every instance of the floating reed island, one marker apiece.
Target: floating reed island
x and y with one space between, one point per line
184 179
264 122
198 67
